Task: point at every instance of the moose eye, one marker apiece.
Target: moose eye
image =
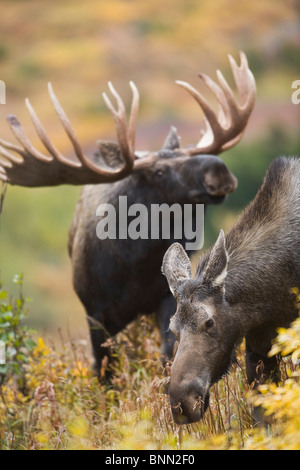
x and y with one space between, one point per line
159 173
209 323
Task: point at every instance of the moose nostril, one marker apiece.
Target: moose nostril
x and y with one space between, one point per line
191 406
211 188
229 188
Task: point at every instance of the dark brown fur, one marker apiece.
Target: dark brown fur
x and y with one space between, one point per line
242 288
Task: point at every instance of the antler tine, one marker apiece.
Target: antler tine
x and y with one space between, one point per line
245 83
120 117
71 134
10 158
45 138
20 135
244 80
206 108
7 145
3 176
125 132
220 95
133 115
226 129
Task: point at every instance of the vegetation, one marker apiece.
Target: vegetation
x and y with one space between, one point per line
59 404
15 336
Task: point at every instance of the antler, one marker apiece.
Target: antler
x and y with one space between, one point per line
118 161
36 169
227 129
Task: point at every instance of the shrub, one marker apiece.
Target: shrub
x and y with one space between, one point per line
15 335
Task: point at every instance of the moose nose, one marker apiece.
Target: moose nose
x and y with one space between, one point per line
221 190
220 186
189 402
218 192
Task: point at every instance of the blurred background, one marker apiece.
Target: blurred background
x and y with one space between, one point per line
79 46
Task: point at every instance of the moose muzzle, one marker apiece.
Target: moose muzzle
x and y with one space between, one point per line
189 400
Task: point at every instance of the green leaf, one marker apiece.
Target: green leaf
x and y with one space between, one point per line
3 369
7 315
16 367
22 358
29 344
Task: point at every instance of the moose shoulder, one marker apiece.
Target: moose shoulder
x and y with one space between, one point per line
242 288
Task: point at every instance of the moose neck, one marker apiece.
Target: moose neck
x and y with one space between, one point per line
256 256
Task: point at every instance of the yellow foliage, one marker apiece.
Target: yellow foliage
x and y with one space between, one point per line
64 406
79 427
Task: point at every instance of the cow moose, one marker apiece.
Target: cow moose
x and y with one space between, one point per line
241 289
117 279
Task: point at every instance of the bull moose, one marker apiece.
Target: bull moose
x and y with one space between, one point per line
242 288
116 279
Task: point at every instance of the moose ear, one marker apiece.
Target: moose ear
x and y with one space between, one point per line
109 153
172 141
176 267
216 268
